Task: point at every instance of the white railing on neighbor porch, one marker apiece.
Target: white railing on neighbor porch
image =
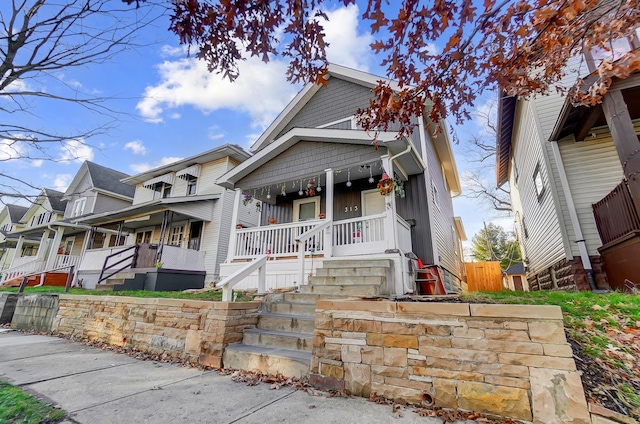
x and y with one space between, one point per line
276 240
187 259
21 260
404 234
23 268
65 261
359 235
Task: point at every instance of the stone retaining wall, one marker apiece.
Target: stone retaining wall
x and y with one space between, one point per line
196 331
508 360
35 312
8 303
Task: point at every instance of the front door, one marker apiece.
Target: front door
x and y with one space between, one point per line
306 209
372 202
517 282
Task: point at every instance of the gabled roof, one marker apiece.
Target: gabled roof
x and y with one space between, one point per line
516 269
16 212
303 97
231 150
412 163
108 179
55 199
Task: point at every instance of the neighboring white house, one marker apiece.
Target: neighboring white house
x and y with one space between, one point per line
316 173
563 163
179 220
9 221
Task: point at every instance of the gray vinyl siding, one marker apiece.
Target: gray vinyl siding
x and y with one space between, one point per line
415 206
308 159
211 233
544 245
338 99
226 226
593 169
104 203
344 125
442 224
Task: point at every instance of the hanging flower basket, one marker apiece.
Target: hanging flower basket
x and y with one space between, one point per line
398 187
385 185
247 198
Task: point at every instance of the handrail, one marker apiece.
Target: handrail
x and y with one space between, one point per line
361 218
17 268
132 264
230 281
301 251
25 277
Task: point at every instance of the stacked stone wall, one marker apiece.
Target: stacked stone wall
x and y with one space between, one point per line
195 331
508 360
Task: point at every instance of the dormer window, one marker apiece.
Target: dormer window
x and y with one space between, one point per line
161 191
190 175
78 206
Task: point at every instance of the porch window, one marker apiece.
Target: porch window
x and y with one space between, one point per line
78 206
175 237
306 209
29 250
143 237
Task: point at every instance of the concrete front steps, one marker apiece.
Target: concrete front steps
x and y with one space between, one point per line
282 341
123 281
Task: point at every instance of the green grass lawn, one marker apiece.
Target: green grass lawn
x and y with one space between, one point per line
213 296
18 407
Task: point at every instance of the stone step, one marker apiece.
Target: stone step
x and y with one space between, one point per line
283 322
370 271
300 297
296 308
125 275
104 287
362 263
290 363
339 290
114 281
278 339
345 281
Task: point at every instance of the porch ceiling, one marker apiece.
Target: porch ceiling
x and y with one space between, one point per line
146 214
409 163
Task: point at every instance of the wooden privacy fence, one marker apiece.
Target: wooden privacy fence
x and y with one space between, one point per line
484 276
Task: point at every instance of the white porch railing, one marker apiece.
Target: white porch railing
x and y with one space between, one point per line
359 235
23 268
21 260
258 264
63 261
404 234
275 240
177 258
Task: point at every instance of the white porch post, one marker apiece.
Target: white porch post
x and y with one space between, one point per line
54 248
42 248
18 252
328 239
390 231
85 245
231 253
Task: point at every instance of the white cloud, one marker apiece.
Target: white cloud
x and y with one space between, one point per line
346 46
145 166
62 181
173 51
11 150
75 151
214 133
261 90
136 147
37 163
485 116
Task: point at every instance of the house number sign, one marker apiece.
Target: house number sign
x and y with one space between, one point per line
351 209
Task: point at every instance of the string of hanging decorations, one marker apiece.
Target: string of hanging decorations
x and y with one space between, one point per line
312 186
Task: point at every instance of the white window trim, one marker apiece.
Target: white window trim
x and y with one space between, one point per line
298 202
434 193
78 206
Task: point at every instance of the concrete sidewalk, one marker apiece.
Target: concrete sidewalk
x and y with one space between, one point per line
96 386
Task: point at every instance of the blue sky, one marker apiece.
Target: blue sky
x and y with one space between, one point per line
172 108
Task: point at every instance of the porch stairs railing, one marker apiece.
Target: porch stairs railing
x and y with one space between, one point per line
124 262
258 264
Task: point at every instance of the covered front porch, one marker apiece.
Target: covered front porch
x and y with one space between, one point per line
346 209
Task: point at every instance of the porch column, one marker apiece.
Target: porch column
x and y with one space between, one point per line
390 208
328 239
18 252
42 248
85 246
625 140
231 253
51 260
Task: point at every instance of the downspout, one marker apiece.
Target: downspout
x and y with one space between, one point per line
573 215
407 150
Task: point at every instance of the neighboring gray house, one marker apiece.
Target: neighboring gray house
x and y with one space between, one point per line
316 173
62 242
